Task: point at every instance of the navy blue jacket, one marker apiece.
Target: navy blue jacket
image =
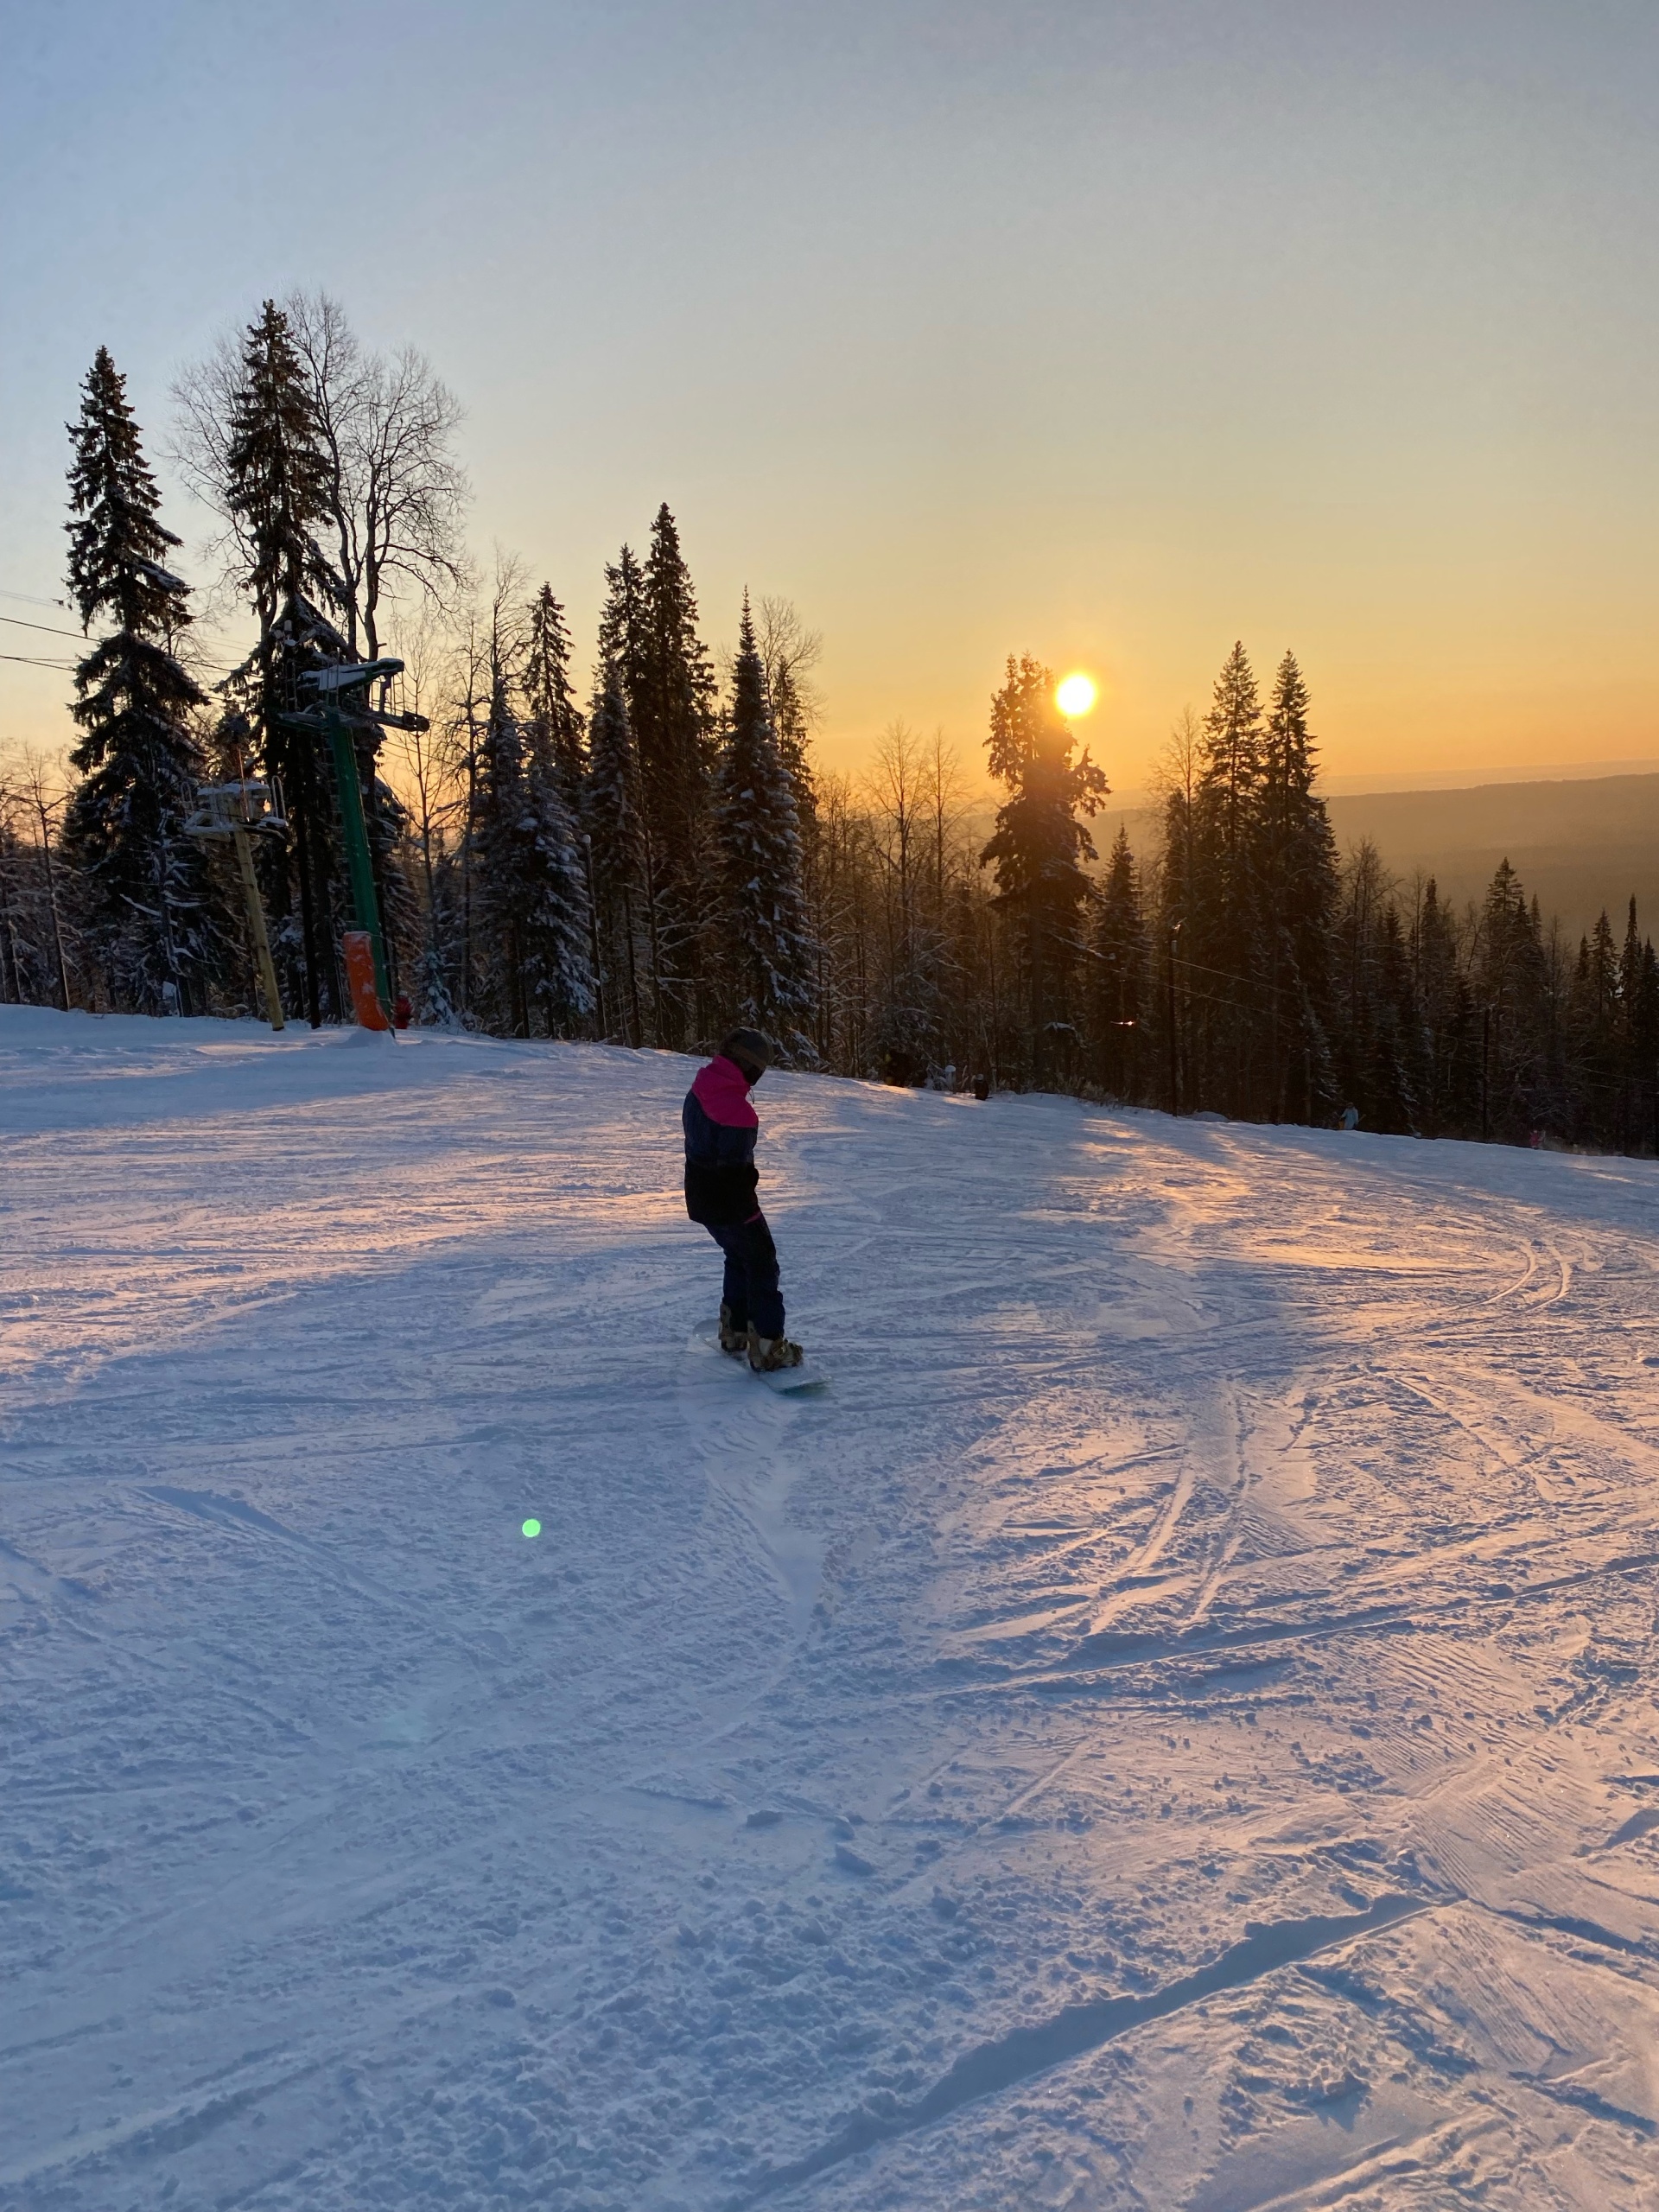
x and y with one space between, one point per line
721 1127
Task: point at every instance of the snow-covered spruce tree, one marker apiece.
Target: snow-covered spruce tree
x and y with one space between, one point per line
1232 762
768 954
1398 1066
611 821
1512 982
436 1009
498 987
1226 1034
671 706
1451 1103
276 471
788 653
1040 844
146 902
559 936
556 732
1119 981
1292 869
1639 988
1595 1019
277 490
558 921
533 931
622 626
789 719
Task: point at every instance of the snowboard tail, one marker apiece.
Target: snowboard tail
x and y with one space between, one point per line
806 1376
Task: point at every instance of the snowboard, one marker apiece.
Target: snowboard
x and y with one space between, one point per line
808 1375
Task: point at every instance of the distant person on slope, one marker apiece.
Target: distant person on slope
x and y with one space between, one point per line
721 1181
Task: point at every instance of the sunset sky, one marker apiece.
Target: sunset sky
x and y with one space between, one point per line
1105 332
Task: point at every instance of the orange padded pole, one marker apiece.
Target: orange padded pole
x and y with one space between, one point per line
359 973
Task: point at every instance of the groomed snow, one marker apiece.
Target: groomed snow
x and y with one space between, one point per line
1173 1726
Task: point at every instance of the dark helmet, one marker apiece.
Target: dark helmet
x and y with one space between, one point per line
750 1049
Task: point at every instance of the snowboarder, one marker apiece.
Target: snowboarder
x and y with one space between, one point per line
721 1183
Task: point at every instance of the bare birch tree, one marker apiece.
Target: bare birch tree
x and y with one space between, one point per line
397 494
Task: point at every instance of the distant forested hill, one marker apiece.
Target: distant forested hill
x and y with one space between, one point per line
1579 847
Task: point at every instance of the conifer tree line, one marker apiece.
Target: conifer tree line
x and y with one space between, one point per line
1246 969
641 848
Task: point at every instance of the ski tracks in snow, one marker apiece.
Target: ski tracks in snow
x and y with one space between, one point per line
1172 1725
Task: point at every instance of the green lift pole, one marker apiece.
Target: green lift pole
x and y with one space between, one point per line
366 906
333 684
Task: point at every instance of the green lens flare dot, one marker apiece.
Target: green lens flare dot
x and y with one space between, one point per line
532 1528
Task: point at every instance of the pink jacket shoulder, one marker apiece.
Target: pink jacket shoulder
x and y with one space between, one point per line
723 1096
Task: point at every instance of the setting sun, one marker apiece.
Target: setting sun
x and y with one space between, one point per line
1076 695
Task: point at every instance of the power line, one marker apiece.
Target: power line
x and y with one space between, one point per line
30 598
80 637
18 622
216 667
64 667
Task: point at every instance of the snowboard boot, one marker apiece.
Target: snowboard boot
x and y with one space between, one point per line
734 1340
768 1354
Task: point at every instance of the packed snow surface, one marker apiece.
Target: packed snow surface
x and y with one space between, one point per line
1172 1726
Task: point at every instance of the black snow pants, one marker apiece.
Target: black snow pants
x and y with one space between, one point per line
750 1293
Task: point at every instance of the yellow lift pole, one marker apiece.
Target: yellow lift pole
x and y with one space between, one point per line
230 811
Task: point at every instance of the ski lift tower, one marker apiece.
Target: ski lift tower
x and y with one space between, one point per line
234 813
339 690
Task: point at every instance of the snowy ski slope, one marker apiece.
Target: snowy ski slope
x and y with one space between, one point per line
1173 1726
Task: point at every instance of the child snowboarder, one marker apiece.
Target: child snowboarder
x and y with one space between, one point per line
721 1182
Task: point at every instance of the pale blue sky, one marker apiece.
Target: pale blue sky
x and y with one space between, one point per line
1108 331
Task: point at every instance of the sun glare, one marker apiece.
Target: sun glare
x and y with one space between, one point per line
1076 695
